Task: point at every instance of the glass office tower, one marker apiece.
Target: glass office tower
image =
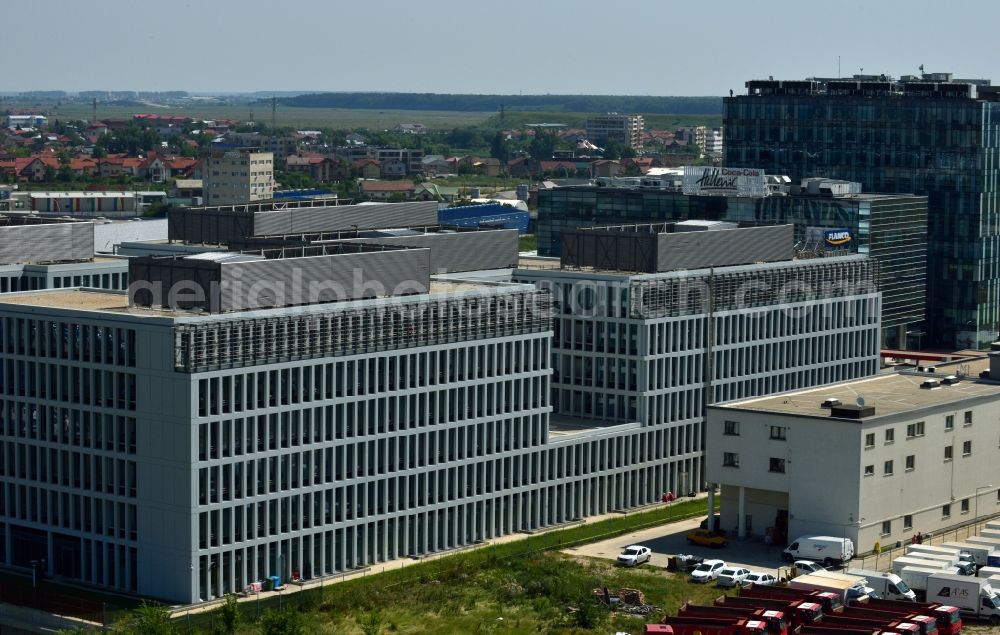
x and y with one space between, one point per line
931 135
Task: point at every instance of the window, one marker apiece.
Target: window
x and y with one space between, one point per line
907 522
886 527
732 428
966 448
777 465
887 468
778 433
730 459
949 422
911 462
870 440
965 505
869 470
947 453
968 417
915 430
890 435
945 511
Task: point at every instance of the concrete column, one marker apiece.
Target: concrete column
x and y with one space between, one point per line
711 505
741 519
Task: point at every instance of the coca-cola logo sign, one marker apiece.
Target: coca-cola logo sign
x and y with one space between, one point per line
724 181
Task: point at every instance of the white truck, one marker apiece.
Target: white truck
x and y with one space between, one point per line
984 541
887 586
974 597
950 558
988 572
982 555
916 578
992 524
829 550
986 532
859 584
846 589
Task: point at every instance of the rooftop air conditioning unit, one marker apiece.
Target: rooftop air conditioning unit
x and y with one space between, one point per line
930 383
950 379
830 402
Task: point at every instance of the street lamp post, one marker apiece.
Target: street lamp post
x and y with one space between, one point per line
978 489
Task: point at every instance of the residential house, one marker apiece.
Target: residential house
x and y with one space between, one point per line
521 167
393 169
434 164
487 167
367 169
316 166
84 166
607 167
430 191
387 190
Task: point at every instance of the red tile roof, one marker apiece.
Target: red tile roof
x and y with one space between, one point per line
387 186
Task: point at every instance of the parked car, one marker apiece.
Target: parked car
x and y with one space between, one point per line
807 566
760 579
732 576
634 555
707 571
706 538
683 562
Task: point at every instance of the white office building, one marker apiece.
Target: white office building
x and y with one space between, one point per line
918 455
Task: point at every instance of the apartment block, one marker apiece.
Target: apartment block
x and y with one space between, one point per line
623 129
237 176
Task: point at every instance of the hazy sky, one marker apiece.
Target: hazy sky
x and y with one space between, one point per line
467 46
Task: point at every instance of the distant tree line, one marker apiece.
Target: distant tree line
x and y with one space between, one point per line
487 103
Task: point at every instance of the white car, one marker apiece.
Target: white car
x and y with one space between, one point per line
808 566
707 570
761 579
732 576
634 555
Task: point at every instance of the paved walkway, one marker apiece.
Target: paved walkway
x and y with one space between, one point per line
399 563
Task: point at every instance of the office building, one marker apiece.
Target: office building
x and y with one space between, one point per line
625 130
876 460
237 176
931 135
53 253
635 342
828 216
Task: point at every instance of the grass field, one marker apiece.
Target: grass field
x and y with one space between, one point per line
527 583
302 118
336 118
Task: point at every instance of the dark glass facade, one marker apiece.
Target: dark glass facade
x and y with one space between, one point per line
890 228
941 140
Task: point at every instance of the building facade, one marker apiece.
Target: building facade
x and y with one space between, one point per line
910 459
237 176
931 135
889 228
623 129
652 350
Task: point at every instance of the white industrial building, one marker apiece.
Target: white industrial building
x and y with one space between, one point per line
883 459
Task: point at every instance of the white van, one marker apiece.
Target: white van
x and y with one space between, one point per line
829 550
888 586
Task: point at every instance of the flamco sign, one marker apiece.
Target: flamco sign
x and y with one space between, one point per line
724 181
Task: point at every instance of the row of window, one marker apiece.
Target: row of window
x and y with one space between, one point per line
66 340
774 464
69 426
366 376
91 514
374 416
58 382
911 460
964 506
916 429
78 470
732 428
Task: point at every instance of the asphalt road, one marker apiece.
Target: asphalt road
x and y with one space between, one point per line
668 540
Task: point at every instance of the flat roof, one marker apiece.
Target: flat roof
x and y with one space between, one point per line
889 394
85 299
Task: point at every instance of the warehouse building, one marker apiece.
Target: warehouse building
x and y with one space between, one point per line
876 460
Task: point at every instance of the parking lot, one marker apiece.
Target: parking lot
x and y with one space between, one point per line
669 540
